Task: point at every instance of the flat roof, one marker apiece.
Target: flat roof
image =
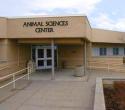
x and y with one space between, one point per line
37 16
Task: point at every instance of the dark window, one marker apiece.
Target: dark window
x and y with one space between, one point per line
115 51
103 51
49 53
124 51
40 53
40 62
49 62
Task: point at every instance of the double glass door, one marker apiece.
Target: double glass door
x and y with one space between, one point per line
43 58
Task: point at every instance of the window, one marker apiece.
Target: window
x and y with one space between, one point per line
95 51
115 51
124 51
103 51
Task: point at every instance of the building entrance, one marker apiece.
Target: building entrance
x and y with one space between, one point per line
42 55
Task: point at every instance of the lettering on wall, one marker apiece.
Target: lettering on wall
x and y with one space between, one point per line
47 26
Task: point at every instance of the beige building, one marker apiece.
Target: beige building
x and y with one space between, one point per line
59 42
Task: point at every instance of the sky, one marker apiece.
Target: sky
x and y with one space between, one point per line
104 14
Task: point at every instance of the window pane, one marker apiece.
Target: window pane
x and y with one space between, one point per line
115 51
95 51
55 57
49 62
40 53
40 62
103 51
49 53
124 51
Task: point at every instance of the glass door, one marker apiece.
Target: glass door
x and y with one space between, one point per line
48 55
43 58
40 63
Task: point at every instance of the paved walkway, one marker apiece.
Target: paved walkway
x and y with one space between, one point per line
51 95
55 95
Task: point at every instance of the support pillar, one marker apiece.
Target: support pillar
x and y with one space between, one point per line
53 61
18 47
85 57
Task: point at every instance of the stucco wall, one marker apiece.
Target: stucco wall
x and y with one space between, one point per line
70 56
3 50
75 28
3 27
48 41
88 29
17 53
14 56
107 36
114 63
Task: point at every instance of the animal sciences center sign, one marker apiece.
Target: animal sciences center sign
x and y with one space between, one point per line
47 26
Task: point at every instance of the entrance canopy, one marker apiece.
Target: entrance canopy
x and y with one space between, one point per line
57 53
68 41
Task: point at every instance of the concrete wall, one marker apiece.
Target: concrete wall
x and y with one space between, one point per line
75 28
70 56
48 41
3 49
17 53
3 27
69 38
115 63
107 36
14 56
88 29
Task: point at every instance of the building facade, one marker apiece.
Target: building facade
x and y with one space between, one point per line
59 42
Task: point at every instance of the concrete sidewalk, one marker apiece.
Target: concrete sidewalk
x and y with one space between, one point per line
56 95
52 95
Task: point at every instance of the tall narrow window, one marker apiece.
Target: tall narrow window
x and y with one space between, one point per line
103 51
115 51
124 51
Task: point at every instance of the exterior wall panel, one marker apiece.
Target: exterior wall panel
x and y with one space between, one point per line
3 50
15 57
107 36
3 28
70 56
88 30
75 28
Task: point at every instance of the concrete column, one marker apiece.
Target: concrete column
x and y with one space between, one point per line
90 45
85 57
53 60
18 54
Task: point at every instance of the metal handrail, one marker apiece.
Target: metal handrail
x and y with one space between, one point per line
8 64
3 68
13 75
105 62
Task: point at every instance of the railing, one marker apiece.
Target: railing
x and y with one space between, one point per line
8 64
14 79
4 68
105 65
